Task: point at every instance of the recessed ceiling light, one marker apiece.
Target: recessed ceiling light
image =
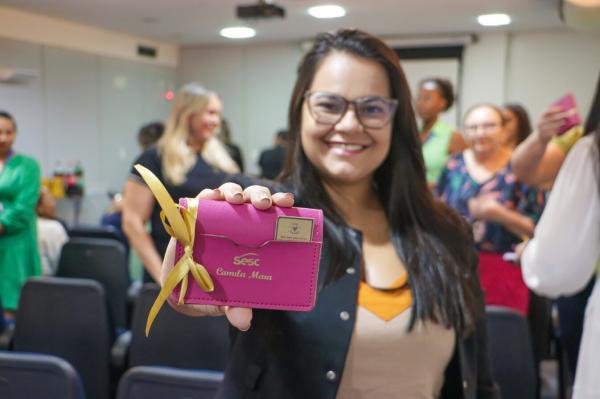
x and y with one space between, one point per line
237 32
327 11
493 19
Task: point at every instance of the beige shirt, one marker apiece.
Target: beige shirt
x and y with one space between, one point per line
51 237
385 362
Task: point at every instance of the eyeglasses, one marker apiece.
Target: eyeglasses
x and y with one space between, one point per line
486 127
371 111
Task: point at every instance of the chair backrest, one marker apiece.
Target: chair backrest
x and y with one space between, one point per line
151 382
67 318
35 376
3 323
106 232
102 260
511 353
176 340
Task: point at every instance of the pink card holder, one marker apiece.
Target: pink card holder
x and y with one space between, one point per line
257 259
237 255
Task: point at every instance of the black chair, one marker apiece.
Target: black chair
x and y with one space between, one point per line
106 232
147 382
35 376
67 318
3 322
511 353
105 261
5 330
176 340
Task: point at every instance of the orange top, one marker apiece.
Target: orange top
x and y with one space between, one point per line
386 304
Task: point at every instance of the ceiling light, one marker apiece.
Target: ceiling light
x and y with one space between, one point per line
493 19
327 11
237 32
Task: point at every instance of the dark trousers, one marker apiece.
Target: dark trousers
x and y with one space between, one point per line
571 311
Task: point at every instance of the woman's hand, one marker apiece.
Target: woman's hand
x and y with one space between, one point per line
550 123
484 206
519 249
261 198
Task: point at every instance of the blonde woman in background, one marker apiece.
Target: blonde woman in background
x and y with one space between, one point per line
187 159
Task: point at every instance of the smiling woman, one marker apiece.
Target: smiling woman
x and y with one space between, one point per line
335 135
399 310
480 184
187 158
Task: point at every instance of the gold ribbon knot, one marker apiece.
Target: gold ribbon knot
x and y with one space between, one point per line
182 226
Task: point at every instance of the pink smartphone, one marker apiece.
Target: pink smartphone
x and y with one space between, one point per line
566 103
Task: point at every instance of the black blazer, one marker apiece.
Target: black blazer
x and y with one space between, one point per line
271 162
287 355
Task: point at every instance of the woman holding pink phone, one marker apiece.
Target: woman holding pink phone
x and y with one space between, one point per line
355 153
537 160
563 256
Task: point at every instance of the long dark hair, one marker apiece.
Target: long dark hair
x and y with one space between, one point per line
433 242
523 122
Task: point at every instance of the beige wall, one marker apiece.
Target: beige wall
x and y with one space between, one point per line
40 29
542 67
532 68
93 91
255 83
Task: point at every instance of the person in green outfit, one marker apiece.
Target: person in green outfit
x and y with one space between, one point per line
19 193
439 140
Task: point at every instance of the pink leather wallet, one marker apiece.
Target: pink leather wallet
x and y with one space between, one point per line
257 259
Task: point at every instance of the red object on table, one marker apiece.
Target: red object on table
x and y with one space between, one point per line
503 283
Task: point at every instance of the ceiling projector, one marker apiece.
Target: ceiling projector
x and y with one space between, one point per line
264 9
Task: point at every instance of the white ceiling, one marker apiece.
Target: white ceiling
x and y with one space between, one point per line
197 22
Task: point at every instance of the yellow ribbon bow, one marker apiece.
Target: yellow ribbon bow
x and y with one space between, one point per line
181 226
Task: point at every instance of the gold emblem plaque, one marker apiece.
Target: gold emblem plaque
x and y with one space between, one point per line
291 228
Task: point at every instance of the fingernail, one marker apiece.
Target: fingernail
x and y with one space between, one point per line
264 199
238 197
217 191
290 195
245 329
